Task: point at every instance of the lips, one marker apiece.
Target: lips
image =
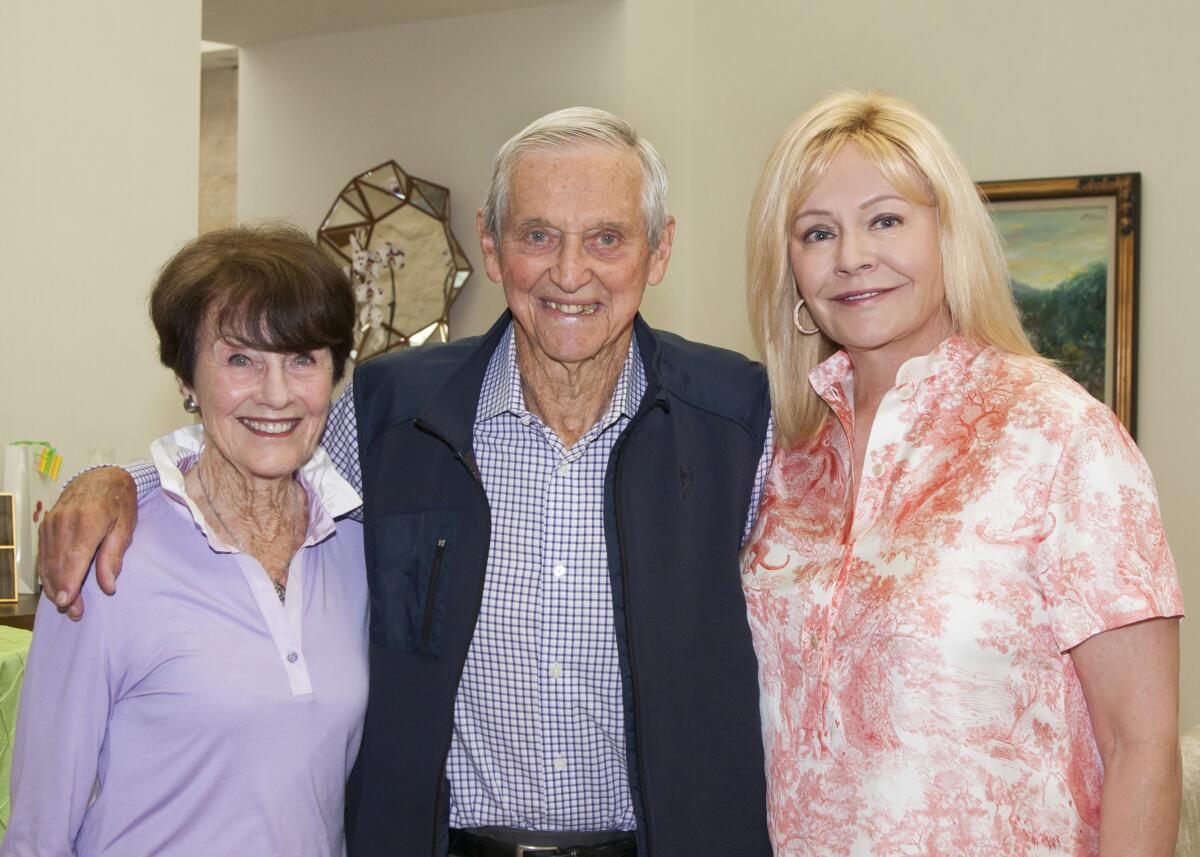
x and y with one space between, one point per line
572 309
862 295
270 428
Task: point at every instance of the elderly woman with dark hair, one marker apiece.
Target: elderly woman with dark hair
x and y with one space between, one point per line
216 707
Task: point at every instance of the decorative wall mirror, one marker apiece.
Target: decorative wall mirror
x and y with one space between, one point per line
392 231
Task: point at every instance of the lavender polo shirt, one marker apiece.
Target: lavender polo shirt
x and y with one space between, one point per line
202 715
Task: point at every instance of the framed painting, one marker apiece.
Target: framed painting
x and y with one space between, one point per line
1072 250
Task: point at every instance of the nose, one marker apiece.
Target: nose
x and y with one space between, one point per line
572 269
854 254
276 390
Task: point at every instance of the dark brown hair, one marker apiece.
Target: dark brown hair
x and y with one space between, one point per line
267 287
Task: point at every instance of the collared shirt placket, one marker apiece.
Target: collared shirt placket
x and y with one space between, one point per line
542 680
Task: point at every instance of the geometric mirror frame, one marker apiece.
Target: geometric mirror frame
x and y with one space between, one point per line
392 232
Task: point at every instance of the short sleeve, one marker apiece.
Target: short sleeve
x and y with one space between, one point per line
1104 562
760 479
341 442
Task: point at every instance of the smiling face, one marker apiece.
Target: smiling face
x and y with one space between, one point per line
263 411
867 262
573 256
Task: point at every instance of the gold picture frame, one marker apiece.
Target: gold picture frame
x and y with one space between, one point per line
1077 236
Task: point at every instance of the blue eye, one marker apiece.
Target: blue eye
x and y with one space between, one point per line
605 240
239 360
817 234
537 236
886 221
304 359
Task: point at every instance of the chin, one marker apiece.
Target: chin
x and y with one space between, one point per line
277 468
573 351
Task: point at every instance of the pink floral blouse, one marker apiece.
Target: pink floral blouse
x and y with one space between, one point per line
917 694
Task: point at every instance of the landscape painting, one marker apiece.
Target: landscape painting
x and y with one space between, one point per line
1060 256
1071 251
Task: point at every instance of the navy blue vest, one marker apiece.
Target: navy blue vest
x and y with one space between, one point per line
676 495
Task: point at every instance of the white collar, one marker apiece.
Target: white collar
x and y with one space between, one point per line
318 476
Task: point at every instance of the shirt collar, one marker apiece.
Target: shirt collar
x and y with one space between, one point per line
834 378
175 453
502 394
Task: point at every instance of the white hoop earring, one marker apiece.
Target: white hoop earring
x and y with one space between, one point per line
807 331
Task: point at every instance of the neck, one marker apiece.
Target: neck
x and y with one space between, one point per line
875 370
261 516
238 495
570 397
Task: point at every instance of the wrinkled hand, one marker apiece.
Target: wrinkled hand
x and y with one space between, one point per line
98 509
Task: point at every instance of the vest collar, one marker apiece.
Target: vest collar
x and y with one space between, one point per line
450 412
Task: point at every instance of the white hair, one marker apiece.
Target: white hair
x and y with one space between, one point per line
569 128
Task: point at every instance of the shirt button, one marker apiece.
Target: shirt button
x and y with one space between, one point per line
555 670
877 469
560 763
292 657
525 420
564 468
559 570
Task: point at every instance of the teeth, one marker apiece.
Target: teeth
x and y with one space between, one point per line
574 309
862 296
271 428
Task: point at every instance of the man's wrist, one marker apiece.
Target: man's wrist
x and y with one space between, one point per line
92 467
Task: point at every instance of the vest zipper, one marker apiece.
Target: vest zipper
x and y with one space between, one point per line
470 466
431 593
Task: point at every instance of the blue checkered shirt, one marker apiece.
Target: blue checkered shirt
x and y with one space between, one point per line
539 731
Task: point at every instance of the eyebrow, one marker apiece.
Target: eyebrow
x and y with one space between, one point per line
539 223
820 212
530 223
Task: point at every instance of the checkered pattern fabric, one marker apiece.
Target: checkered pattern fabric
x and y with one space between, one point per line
539 736
539 731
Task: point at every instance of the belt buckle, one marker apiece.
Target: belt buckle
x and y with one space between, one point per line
522 850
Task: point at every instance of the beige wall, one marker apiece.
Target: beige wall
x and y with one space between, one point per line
99 105
218 148
437 96
1024 89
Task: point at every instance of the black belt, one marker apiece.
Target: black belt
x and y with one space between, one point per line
464 843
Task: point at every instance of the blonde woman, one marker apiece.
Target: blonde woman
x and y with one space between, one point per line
963 604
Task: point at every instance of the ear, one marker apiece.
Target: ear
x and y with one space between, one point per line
661 255
491 253
187 392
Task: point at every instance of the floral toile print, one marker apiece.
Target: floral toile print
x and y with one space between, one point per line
917 692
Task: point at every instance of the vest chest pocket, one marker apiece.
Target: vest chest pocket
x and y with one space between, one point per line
411 564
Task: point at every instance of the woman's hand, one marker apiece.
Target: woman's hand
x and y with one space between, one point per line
1130 678
94 516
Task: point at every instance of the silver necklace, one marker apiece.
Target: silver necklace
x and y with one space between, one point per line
277 582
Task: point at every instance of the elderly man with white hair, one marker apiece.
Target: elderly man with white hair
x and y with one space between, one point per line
560 658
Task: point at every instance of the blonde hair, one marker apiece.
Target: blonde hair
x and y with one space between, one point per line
915 158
